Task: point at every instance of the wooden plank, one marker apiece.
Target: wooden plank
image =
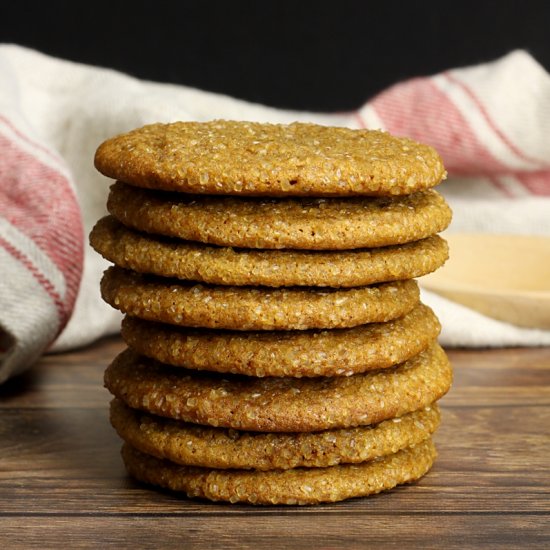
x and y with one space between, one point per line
61 477
285 531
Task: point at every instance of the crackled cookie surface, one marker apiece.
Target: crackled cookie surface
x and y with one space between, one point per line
312 223
294 486
248 158
279 404
286 353
254 308
194 445
228 266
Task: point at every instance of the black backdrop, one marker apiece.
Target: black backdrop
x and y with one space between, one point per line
296 54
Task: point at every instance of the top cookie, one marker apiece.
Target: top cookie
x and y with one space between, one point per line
247 158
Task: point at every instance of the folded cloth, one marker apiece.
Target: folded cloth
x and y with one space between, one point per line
490 123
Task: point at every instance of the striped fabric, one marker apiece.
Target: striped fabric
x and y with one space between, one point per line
491 131
490 123
41 246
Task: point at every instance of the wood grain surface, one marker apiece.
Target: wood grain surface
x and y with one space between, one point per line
62 484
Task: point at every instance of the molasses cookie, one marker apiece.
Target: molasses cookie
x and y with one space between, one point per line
194 445
249 158
275 268
307 223
279 404
286 353
254 308
294 486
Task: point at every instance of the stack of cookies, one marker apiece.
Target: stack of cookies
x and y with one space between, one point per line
277 349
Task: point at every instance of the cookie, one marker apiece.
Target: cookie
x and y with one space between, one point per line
279 404
248 158
227 266
294 486
312 224
250 308
286 353
193 445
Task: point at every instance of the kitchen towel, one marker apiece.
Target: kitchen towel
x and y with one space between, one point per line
490 123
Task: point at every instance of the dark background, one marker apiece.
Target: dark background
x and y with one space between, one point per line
296 54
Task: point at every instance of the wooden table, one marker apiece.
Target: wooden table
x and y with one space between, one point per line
62 484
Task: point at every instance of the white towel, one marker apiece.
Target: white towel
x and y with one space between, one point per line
490 123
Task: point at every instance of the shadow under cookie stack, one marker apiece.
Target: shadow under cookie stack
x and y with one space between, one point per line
277 349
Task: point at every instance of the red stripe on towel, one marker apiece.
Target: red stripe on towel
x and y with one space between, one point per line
62 311
490 122
420 110
39 202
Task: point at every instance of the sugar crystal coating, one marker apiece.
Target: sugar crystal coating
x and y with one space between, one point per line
279 404
296 223
194 445
294 486
232 157
227 266
286 353
254 308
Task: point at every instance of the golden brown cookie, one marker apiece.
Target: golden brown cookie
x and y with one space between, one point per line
313 224
250 308
248 158
279 404
193 445
295 486
286 353
227 266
